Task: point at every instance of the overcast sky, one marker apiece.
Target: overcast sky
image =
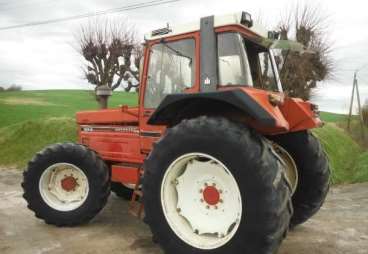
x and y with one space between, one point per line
43 57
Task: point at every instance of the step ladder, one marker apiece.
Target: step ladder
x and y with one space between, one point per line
136 207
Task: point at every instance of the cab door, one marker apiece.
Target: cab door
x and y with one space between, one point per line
170 67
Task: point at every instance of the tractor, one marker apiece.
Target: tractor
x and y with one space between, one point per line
215 158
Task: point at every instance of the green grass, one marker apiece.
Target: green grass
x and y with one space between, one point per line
19 142
361 168
31 120
16 107
346 157
359 134
332 117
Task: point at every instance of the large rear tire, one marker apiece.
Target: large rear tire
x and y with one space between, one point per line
313 170
212 186
66 184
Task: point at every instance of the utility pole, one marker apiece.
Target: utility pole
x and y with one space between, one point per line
356 88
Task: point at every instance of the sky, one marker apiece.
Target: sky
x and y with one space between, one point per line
44 57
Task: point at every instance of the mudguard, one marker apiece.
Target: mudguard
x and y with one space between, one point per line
174 103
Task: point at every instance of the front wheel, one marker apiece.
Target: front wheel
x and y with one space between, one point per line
212 186
66 184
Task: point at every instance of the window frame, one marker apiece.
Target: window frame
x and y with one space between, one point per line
192 35
252 37
164 51
243 59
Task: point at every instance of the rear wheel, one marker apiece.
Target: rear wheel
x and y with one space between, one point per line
66 184
211 186
313 173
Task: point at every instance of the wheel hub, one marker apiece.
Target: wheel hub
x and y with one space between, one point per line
69 183
211 195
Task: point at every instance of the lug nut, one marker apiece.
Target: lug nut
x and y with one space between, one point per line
221 201
208 207
202 200
201 191
178 210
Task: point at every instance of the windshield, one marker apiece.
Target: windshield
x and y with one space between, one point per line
245 63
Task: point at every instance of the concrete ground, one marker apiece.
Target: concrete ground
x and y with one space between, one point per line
340 227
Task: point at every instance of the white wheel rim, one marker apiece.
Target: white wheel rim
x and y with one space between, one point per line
64 187
201 201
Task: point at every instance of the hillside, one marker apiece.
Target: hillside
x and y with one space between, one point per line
33 119
16 107
348 162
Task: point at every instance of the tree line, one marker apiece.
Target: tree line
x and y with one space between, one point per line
11 88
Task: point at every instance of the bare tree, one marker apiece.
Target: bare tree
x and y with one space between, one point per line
300 73
112 54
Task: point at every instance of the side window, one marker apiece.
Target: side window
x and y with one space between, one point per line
233 65
261 67
171 70
267 73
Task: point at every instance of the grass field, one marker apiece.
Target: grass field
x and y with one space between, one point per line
332 117
31 120
16 107
347 160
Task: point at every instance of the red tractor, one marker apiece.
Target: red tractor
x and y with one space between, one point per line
224 161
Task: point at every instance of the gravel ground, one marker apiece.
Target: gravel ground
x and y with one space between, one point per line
340 227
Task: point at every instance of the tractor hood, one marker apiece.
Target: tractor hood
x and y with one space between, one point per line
121 115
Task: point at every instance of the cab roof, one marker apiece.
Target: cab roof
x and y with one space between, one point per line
219 21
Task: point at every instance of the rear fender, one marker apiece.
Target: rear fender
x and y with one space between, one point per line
250 107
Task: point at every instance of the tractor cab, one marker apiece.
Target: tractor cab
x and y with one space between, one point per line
221 63
219 52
